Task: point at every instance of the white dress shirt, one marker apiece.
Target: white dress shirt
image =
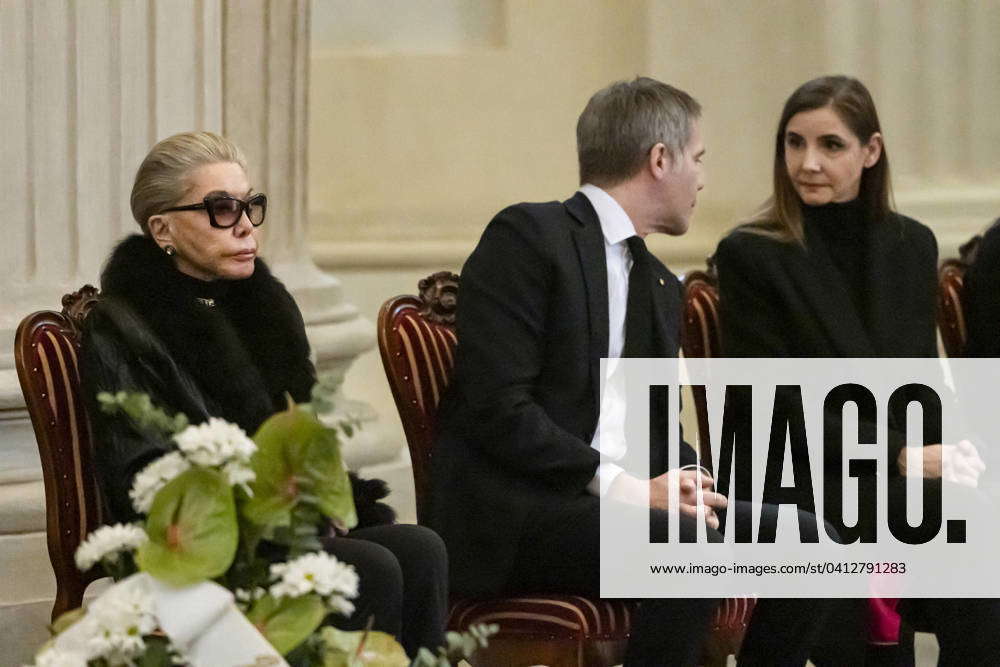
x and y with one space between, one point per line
616 227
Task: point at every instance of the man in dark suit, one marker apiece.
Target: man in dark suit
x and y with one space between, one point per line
550 290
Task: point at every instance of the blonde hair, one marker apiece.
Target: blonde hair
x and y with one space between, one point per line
162 178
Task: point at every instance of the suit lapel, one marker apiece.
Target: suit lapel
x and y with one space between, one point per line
593 264
828 295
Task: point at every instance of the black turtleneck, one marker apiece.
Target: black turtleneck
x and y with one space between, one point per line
843 229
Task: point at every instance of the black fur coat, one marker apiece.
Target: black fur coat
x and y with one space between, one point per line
155 332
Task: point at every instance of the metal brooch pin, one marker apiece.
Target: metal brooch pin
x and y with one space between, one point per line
208 303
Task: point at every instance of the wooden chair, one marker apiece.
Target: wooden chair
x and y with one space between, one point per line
417 341
700 338
950 315
45 353
950 318
416 337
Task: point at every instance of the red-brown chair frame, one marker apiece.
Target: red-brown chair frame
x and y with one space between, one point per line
951 283
45 354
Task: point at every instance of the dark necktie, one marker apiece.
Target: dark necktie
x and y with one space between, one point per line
639 309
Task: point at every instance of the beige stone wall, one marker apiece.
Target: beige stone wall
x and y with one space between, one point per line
413 150
429 146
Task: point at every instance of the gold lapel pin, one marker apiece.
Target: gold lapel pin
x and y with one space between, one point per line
662 281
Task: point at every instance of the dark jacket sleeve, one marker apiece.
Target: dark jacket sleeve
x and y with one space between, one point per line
504 308
109 362
748 311
981 298
921 327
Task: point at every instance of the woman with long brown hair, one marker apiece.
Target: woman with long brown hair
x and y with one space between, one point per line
828 269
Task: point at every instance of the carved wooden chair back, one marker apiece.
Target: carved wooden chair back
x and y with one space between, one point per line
416 338
950 308
951 283
45 353
950 317
700 338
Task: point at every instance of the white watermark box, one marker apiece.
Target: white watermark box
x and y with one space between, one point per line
793 439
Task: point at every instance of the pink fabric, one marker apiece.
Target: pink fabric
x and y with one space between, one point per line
883 621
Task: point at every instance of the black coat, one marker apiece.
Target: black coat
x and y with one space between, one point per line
236 360
981 298
518 419
150 334
781 299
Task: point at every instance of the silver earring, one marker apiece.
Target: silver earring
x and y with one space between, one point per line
170 250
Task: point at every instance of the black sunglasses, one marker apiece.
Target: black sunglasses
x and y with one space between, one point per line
225 211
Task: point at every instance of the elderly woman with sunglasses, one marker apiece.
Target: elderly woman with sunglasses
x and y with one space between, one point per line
193 317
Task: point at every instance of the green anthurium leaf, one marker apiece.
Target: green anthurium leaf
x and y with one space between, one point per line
287 622
298 461
379 649
192 528
157 653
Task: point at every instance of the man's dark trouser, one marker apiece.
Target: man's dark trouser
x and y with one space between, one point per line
560 552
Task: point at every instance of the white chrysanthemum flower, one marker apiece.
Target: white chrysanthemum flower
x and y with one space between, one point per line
122 616
340 604
249 595
318 573
53 657
245 597
108 541
238 473
215 443
153 478
177 657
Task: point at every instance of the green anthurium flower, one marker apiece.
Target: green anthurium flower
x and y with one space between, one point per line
298 461
362 649
287 622
192 528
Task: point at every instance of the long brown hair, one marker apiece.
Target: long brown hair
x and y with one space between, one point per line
781 215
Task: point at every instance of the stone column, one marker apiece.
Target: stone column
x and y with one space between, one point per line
265 67
89 86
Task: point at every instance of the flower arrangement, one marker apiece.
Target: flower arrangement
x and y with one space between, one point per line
193 587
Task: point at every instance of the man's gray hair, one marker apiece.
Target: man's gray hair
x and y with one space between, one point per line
622 122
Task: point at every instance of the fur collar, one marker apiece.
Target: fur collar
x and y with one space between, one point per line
244 353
